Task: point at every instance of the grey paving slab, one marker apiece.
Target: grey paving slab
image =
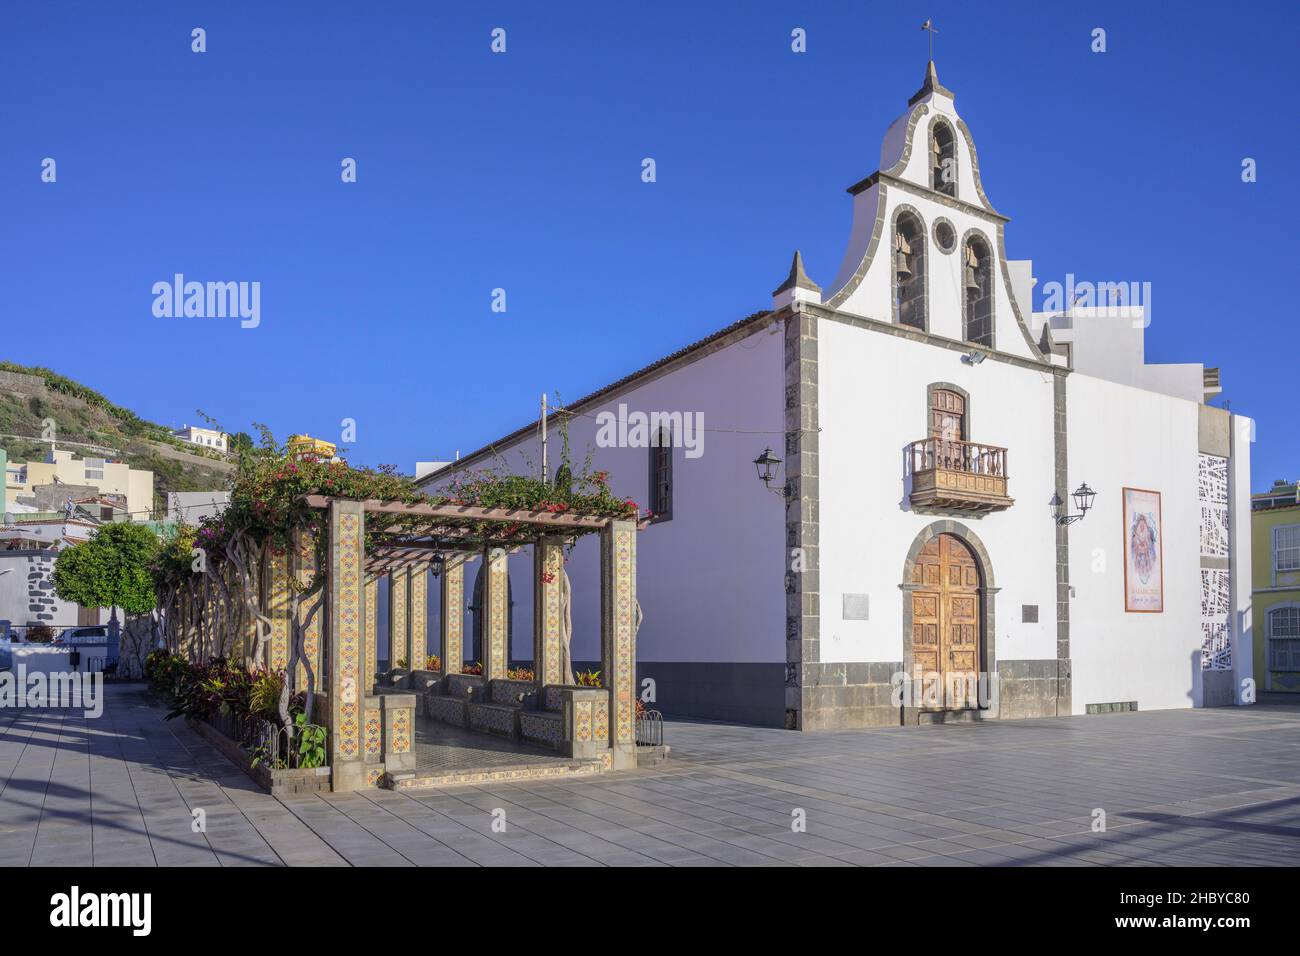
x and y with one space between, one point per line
1208 787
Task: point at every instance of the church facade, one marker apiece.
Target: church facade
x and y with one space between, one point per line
908 497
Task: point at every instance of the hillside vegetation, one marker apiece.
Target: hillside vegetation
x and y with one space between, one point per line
82 415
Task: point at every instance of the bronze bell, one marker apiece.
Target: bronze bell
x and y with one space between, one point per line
972 281
901 266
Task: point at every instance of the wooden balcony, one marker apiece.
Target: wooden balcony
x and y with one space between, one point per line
958 475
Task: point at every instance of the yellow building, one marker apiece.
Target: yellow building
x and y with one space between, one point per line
1275 543
63 467
303 445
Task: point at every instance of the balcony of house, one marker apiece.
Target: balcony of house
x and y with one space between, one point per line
953 475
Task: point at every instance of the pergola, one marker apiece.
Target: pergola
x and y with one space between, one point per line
368 727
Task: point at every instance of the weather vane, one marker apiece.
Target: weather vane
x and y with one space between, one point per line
928 26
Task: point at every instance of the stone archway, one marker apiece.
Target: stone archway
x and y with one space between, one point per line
984 588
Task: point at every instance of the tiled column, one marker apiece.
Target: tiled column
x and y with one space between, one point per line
398 646
345 607
372 633
548 573
496 655
275 599
303 557
618 635
418 590
451 646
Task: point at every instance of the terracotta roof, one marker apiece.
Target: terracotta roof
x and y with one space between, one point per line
751 319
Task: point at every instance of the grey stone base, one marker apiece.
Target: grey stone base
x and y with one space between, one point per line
844 696
738 693
1033 689
1218 689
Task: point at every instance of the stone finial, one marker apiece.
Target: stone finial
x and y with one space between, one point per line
930 85
797 285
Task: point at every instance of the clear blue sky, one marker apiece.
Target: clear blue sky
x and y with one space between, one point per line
522 171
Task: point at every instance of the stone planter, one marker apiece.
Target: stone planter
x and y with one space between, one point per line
277 782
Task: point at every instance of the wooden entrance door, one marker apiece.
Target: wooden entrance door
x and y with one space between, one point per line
946 622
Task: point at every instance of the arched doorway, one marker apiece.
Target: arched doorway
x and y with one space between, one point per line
478 617
947 622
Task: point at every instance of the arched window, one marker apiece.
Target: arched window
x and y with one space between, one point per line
977 283
909 269
943 159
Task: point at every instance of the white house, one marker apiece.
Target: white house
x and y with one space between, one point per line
207 437
925 433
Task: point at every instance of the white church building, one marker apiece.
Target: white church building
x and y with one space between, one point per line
958 489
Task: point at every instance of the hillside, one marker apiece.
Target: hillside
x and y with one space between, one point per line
88 424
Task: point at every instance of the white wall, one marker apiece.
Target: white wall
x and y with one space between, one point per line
1239 530
1120 437
711 580
873 396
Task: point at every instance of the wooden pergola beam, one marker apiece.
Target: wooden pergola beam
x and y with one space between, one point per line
470 512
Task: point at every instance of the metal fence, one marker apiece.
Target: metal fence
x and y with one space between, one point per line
268 742
649 729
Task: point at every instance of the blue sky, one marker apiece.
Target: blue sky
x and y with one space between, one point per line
522 171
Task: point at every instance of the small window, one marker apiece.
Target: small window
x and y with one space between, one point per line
1286 548
661 475
1284 639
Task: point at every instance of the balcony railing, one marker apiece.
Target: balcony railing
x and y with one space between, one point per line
958 475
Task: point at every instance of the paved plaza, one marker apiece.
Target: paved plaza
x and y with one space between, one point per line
1204 787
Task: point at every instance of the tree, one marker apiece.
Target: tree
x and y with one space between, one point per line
113 569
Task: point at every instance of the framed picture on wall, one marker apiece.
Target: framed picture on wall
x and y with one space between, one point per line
1144 552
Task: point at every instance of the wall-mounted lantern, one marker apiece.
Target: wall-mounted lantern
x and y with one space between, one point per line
436 565
1082 496
767 464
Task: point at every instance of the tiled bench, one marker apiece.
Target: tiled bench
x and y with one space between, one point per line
450 706
507 699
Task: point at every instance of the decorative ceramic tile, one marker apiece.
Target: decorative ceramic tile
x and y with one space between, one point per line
492 719
397 625
495 664
276 590
549 557
419 611
449 710
304 568
541 727
624 663
400 735
453 596
372 634
374 732
582 721
348 548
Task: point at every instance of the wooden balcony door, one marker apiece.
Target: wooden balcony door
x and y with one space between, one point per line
948 425
946 616
947 415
